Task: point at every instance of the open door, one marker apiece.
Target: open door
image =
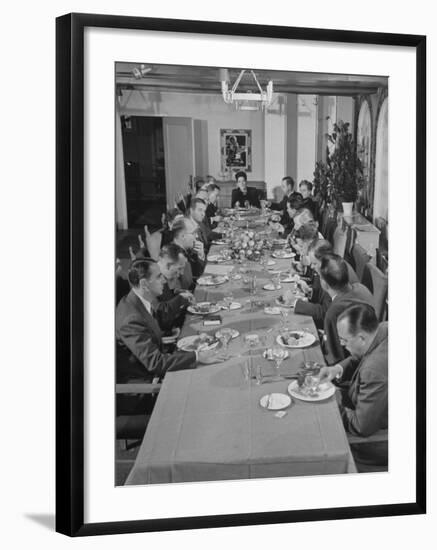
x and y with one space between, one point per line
179 156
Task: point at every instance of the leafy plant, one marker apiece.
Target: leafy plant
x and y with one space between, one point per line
341 177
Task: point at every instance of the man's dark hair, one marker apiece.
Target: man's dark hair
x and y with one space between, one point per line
198 184
241 174
307 183
308 231
179 227
289 180
321 248
212 187
196 201
334 271
360 317
140 269
295 202
171 251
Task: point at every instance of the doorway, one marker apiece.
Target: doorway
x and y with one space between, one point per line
144 167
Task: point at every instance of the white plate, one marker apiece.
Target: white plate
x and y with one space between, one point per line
271 286
275 401
234 334
281 303
289 279
283 255
186 343
279 241
216 258
272 310
234 305
220 242
271 262
325 390
307 339
212 309
212 280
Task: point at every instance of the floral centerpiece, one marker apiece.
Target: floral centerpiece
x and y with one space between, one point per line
248 245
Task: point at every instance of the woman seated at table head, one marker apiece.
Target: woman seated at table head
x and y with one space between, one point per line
243 195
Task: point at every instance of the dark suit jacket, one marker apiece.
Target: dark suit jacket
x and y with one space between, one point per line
320 300
251 196
139 344
170 309
211 212
366 407
358 294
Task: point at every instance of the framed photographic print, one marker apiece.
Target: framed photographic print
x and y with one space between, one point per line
238 352
235 147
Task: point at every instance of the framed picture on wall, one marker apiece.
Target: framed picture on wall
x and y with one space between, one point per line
267 457
236 150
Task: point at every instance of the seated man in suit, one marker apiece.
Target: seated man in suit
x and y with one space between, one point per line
363 380
172 303
305 189
197 214
211 216
293 207
184 235
287 185
319 301
244 196
334 278
138 334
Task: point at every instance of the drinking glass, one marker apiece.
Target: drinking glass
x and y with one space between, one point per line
312 382
278 355
225 335
258 375
284 314
252 340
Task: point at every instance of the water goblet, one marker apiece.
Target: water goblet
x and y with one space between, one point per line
279 355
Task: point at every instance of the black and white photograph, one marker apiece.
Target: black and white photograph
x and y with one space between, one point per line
251 274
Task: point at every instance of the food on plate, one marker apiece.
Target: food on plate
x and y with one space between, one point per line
292 338
201 341
203 307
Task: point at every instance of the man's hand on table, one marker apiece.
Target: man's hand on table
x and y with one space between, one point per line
304 286
327 374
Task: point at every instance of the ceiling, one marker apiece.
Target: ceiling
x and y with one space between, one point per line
207 80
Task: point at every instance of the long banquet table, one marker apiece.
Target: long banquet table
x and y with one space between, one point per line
207 423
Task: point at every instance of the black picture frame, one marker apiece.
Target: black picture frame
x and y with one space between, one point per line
70 272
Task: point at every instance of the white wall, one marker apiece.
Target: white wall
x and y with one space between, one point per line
213 115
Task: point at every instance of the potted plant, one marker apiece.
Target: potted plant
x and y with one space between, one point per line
338 180
344 168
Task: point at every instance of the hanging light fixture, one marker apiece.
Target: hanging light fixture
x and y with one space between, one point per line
246 101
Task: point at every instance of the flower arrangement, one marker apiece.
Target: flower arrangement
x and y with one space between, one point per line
248 245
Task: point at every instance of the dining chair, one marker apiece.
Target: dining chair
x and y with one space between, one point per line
377 437
339 239
133 426
360 259
377 282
